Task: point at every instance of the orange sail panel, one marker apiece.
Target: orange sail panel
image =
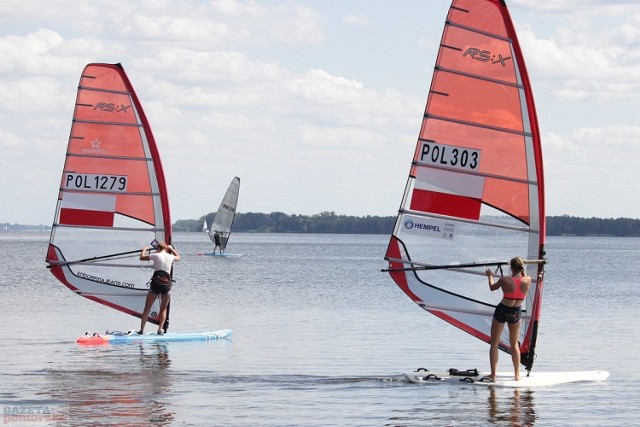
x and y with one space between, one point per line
475 193
112 199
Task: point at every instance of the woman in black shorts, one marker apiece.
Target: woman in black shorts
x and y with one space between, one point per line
514 288
160 281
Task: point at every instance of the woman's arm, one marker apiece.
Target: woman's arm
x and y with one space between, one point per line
493 286
143 255
173 251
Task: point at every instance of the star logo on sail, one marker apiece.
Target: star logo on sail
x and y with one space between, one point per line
95 147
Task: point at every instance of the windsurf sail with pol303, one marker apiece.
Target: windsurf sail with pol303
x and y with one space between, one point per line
112 199
475 192
223 220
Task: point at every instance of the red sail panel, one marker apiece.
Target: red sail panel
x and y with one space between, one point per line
88 139
445 204
86 217
473 101
95 210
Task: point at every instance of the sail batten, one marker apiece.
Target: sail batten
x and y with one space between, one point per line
478 125
94 263
96 89
489 308
112 195
478 31
484 78
528 230
141 229
132 193
111 294
475 191
97 122
97 156
483 174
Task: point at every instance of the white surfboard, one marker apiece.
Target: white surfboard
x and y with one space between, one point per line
505 379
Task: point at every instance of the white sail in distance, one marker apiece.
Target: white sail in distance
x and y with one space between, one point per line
223 220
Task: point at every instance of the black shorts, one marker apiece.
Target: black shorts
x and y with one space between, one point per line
161 282
507 314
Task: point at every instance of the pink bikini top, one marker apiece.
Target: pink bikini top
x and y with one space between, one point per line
517 293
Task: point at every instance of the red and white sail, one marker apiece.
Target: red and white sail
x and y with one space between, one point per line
112 199
475 194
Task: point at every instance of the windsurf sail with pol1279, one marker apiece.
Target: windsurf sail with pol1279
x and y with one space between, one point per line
475 193
112 199
223 220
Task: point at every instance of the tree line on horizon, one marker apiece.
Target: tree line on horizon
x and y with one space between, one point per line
331 223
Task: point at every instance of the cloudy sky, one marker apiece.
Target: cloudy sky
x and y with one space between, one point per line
316 105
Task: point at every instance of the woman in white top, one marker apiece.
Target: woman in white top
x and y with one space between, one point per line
160 282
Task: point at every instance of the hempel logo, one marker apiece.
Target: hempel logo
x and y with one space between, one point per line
409 224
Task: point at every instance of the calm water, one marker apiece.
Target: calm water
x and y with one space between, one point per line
321 338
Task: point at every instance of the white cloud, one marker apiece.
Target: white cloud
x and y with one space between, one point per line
590 161
577 7
32 94
9 142
320 87
588 63
256 89
357 20
223 67
28 53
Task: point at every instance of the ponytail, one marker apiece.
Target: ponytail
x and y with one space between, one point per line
517 265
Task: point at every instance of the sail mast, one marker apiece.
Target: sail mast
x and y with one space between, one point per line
528 348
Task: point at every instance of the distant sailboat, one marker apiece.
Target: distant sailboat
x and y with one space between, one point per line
204 226
112 199
225 215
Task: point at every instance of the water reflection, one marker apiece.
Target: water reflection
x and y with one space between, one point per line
125 385
462 405
516 409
